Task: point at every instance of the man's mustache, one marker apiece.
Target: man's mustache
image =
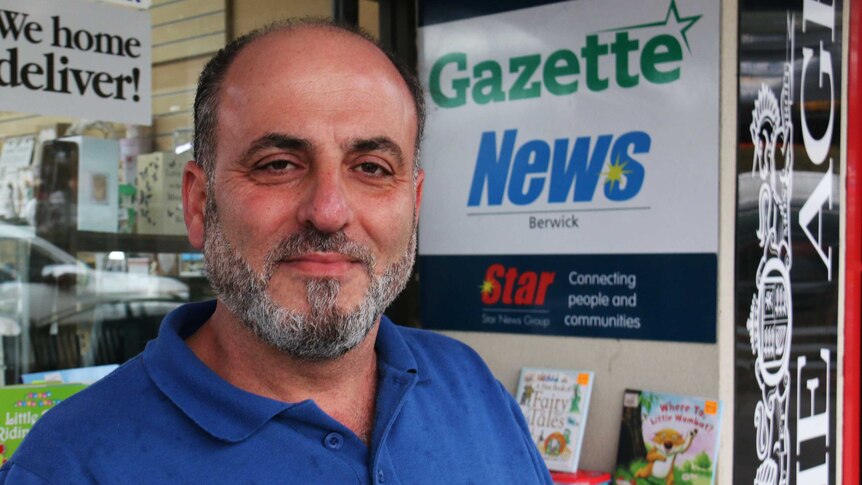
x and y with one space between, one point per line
310 240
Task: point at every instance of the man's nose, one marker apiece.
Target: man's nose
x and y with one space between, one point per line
326 205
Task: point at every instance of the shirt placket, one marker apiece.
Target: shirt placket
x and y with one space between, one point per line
336 439
393 389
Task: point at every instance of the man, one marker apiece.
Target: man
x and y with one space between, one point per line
304 197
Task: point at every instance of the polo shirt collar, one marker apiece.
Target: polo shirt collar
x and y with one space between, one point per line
392 350
223 410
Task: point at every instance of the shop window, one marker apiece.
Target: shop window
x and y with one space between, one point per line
93 249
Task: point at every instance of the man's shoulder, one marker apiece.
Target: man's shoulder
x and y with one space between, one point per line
96 418
431 337
428 344
124 391
439 356
119 391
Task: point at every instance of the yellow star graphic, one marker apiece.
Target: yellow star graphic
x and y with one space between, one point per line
487 286
615 173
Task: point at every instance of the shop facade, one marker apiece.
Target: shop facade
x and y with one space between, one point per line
664 194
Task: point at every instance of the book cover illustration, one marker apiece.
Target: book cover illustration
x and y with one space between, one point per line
667 439
21 406
555 404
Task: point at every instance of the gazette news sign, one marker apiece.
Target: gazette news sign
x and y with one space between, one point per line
787 243
571 155
75 58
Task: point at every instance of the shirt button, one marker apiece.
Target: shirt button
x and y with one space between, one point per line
333 441
380 476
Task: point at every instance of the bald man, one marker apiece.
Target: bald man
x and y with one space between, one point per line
304 197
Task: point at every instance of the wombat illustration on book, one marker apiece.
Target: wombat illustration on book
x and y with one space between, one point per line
669 444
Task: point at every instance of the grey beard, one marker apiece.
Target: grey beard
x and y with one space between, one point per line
325 332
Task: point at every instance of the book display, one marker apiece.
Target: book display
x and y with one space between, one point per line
21 406
555 404
667 439
159 194
16 179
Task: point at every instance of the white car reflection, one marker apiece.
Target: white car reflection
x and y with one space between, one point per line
41 284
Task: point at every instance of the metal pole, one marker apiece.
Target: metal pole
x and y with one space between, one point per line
346 11
398 28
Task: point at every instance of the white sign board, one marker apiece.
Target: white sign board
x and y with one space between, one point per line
535 109
572 129
74 58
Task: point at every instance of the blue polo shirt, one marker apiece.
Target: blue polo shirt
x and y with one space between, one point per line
165 417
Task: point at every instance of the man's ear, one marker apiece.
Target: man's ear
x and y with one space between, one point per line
420 181
194 202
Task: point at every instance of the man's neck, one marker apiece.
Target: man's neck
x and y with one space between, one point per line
345 388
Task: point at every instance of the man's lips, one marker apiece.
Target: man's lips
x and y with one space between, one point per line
322 264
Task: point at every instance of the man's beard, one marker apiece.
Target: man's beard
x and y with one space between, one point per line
324 332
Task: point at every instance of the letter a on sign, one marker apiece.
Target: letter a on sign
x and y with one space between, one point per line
812 208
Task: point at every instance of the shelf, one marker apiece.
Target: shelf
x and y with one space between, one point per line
132 243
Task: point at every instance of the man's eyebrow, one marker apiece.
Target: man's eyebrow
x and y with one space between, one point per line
380 143
277 140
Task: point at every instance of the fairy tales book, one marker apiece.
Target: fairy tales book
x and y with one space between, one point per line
667 439
555 404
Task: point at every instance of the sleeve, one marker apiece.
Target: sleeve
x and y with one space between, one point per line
18 475
542 472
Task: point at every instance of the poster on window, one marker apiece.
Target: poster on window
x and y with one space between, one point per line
787 242
571 158
75 58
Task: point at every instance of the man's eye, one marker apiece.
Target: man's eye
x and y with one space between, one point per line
371 168
276 166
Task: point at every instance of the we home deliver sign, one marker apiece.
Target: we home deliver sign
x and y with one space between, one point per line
74 58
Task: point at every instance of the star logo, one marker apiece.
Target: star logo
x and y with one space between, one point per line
487 287
614 175
671 17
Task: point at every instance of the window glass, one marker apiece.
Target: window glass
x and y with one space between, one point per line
93 248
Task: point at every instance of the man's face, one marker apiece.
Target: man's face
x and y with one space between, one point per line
311 212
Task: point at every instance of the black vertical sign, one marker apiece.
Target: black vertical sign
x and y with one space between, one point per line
787 241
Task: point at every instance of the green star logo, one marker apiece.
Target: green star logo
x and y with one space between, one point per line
672 17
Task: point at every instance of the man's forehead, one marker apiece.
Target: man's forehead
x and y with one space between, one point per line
302 49
288 79
313 54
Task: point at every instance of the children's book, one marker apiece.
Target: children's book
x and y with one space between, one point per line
21 406
555 404
666 439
